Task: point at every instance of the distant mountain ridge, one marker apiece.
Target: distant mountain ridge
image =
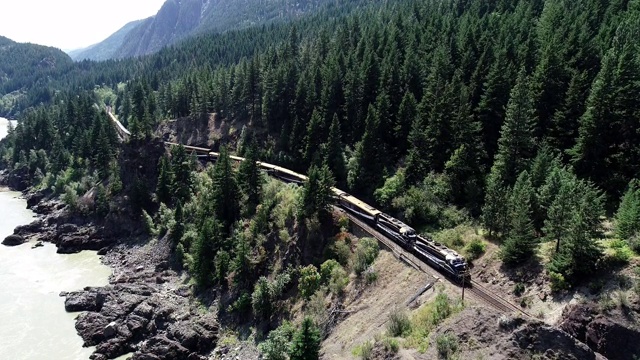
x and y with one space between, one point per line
105 49
180 19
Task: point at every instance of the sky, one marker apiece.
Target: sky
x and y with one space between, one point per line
70 24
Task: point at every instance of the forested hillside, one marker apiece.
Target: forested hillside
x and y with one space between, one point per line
519 116
26 66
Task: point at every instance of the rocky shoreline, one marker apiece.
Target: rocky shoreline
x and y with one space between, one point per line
147 309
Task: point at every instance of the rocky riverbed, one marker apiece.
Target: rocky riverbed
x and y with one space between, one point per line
147 309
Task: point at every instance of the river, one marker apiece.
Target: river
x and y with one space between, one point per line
33 322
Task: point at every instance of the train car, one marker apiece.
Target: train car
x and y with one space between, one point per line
281 173
395 229
441 257
356 206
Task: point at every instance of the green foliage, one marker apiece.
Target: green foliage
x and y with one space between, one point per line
309 281
558 282
621 253
366 252
519 289
520 242
278 342
627 217
474 249
391 345
306 342
398 323
262 298
316 196
447 345
393 187
341 251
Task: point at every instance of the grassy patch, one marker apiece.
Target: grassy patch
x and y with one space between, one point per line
427 318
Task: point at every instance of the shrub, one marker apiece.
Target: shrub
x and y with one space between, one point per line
391 345
518 289
621 253
447 345
309 281
327 268
366 252
370 276
242 305
149 223
475 249
634 243
442 308
71 198
261 298
278 342
364 351
558 282
341 251
398 323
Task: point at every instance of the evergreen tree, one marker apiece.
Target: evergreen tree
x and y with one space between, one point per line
178 227
494 210
250 180
365 169
163 188
627 217
224 191
306 342
580 251
181 177
417 165
316 196
517 142
407 113
204 250
313 138
334 157
520 242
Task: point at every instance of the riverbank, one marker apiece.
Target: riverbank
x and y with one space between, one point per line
147 308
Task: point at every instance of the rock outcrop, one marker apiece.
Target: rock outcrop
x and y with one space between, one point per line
13 240
611 334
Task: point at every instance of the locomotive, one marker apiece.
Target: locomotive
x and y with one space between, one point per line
435 254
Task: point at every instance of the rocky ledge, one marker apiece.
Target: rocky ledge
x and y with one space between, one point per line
146 309
150 321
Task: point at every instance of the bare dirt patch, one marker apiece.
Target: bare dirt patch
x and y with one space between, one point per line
370 308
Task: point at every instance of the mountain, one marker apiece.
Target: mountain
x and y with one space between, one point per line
179 19
105 49
27 66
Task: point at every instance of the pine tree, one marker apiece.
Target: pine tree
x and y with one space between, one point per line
334 157
204 250
224 192
627 217
517 142
181 177
178 227
417 165
163 188
365 169
250 180
494 210
407 113
313 138
306 342
520 243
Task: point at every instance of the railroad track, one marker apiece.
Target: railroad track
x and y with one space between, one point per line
475 289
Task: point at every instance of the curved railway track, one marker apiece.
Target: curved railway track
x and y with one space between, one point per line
475 289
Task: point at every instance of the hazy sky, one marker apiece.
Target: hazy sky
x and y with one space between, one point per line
70 24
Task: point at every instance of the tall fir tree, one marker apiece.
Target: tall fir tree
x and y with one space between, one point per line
520 240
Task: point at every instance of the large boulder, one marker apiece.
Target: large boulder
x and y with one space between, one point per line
13 240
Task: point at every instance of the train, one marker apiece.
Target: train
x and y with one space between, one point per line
437 255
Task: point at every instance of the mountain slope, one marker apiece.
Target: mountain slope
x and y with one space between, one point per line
24 66
180 19
105 49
